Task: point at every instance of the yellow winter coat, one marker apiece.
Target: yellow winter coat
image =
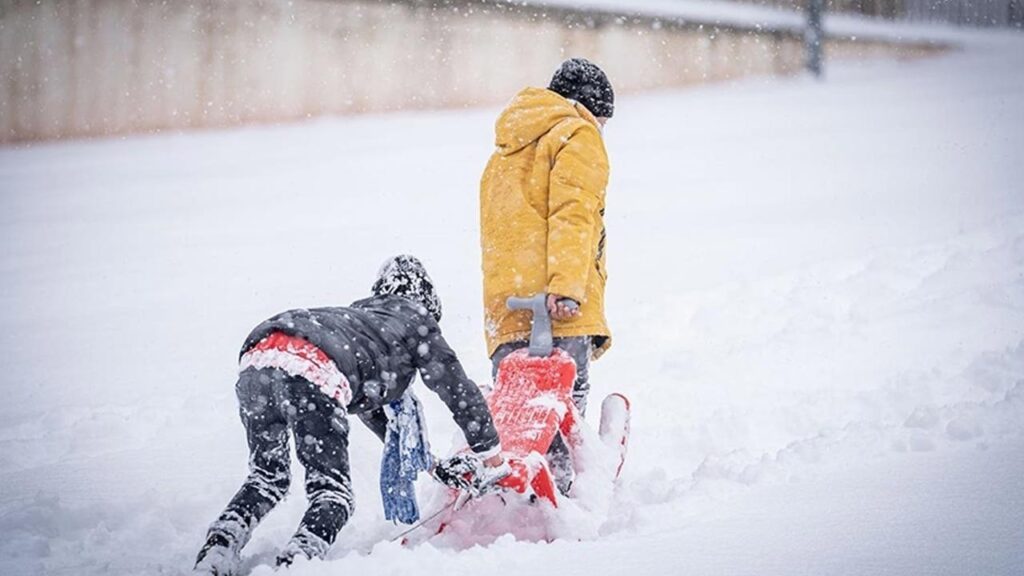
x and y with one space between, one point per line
541 216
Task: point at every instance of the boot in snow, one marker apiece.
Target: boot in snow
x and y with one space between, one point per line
216 558
303 543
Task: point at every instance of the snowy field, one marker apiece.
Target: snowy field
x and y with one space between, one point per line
817 293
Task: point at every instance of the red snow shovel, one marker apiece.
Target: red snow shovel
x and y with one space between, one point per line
532 402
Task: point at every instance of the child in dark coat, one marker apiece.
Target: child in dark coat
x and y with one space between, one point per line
304 371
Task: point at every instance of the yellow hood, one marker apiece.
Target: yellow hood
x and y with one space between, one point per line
530 115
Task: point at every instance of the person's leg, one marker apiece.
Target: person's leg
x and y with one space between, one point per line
269 474
559 456
321 441
579 348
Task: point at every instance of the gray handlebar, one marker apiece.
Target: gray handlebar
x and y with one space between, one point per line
541 340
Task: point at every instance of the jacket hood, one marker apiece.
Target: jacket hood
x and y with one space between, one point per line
531 114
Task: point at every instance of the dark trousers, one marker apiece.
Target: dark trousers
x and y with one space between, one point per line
272 404
578 347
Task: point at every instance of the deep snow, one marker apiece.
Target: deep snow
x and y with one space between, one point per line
817 292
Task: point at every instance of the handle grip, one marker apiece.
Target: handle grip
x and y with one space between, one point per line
541 340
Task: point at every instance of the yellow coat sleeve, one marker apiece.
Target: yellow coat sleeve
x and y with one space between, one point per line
576 195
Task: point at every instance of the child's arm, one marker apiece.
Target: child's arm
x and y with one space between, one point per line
443 374
576 194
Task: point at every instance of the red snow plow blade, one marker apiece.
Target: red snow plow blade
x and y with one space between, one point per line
531 403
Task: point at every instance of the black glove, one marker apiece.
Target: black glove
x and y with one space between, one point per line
467 472
456 471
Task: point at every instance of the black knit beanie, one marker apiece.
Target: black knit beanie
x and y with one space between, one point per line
405 276
581 80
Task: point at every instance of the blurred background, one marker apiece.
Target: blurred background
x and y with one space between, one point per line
74 68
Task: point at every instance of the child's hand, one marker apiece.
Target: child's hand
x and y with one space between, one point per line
562 308
466 471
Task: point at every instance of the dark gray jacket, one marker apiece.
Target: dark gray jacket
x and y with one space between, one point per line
379 344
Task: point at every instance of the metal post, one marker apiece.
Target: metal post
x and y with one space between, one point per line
1015 13
813 36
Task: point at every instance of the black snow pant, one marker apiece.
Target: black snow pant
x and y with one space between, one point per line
271 404
579 348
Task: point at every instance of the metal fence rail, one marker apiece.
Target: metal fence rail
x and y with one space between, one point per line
966 12
1002 13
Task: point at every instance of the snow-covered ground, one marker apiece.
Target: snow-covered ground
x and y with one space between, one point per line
817 292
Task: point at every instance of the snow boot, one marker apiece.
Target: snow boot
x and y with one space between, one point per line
305 543
217 557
